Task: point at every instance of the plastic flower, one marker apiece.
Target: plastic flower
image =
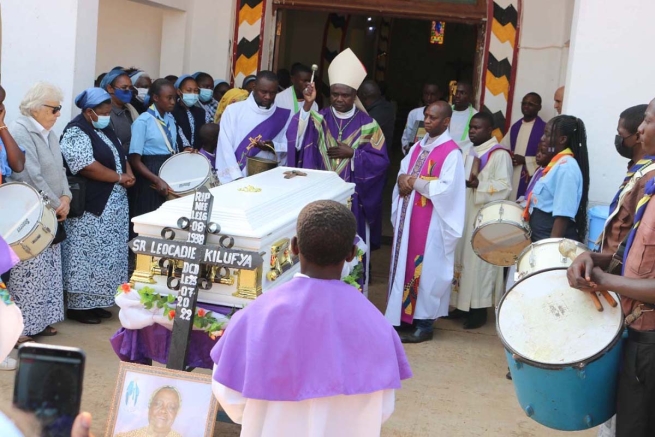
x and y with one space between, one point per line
201 312
126 288
171 314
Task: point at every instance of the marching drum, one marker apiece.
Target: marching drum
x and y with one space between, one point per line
563 353
547 254
28 223
500 233
185 172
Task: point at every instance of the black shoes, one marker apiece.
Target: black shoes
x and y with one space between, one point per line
87 317
417 336
456 315
99 312
477 317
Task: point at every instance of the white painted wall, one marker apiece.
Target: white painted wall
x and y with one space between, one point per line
598 84
129 34
48 40
543 52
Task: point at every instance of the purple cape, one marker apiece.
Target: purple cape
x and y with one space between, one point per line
308 339
370 161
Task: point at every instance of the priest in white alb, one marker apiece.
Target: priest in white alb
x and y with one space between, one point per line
428 219
253 127
478 285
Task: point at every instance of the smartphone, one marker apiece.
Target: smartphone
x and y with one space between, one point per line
49 384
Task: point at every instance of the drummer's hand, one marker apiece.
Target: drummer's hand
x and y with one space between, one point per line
162 187
190 149
598 279
64 208
579 273
473 183
518 160
342 151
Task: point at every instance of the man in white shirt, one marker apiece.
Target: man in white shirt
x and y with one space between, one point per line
463 112
431 93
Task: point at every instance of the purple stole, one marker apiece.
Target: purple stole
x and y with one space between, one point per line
419 222
484 159
264 131
531 150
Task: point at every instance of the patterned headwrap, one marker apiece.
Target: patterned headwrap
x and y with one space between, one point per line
231 96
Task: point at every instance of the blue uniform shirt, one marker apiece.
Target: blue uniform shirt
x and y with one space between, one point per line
560 191
147 138
4 163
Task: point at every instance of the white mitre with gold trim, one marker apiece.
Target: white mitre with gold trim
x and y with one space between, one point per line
347 69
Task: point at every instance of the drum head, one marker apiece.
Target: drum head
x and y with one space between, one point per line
22 209
545 321
500 243
185 171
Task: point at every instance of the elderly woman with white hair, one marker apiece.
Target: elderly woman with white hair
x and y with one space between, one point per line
36 284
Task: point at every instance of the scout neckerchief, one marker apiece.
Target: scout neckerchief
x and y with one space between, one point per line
163 127
465 135
641 208
547 169
645 161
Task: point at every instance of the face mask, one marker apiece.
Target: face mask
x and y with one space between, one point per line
103 121
623 150
142 93
206 95
124 96
189 99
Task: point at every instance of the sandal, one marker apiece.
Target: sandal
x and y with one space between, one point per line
49 331
23 339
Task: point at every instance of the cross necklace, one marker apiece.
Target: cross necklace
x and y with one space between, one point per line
339 124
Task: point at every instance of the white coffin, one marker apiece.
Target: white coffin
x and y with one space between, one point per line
257 212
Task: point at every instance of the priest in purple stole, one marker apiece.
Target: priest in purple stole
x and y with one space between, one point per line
523 140
312 357
345 139
428 218
253 127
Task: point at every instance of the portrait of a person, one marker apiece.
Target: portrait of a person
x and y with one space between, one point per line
164 405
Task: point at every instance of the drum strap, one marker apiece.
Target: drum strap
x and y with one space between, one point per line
163 134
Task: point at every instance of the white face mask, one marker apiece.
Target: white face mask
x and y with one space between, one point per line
142 92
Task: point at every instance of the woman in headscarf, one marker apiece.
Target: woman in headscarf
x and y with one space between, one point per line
231 96
220 88
36 284
141 82
206 97
118 84
188 117
249 83
92 150
154 140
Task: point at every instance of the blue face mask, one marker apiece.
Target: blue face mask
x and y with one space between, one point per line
103 121
124 96
190 99
206 95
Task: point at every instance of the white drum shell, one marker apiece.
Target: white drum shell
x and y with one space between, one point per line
28 223
500 233
186 172
543 255
543 320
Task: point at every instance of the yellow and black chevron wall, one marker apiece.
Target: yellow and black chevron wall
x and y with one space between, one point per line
248 34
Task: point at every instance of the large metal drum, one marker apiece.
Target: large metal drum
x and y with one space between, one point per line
185 172
547 254
563 353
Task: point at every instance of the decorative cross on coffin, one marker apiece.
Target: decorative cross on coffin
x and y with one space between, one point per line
193 252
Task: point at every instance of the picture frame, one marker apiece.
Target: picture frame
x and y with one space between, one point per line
173 402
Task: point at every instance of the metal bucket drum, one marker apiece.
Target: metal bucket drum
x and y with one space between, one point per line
546 254
185 172
257 164
27 223
563 353
500 233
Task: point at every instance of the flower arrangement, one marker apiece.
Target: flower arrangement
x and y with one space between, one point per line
357 272
203 320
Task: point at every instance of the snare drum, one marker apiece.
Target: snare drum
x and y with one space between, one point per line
563 354
500 233
545 254
185 172
28 223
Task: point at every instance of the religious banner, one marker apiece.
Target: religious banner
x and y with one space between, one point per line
248 37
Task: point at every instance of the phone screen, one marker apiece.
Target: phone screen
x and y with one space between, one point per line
49 384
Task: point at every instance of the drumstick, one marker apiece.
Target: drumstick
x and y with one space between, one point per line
314 70
608 297
594 297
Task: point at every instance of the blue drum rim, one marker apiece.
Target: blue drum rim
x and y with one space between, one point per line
520 358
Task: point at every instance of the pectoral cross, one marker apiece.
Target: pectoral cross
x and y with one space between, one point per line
194 252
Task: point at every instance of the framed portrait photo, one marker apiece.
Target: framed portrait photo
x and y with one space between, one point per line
158 401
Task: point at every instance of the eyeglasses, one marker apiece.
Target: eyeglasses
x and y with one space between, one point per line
55 109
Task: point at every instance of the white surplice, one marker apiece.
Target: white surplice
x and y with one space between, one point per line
413 119
458 125
333 416
286 99
447 194
238 120
478 282
522 140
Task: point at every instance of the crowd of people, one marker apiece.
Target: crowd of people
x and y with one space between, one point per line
129 125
